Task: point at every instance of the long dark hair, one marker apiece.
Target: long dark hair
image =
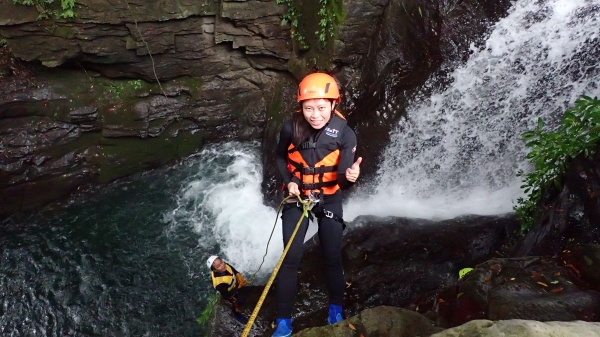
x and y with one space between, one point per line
301 128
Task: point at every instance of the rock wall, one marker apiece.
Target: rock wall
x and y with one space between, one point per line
126 86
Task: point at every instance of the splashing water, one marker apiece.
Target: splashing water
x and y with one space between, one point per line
223 204
459 152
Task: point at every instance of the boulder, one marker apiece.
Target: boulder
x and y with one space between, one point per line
522 328
585 261
531 288
382 321
392 262
570 214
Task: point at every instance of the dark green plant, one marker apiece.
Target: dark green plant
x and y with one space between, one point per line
66 8
552 151
119 88
208 310
331 13
292 16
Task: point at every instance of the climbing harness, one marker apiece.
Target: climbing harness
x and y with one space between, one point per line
306 207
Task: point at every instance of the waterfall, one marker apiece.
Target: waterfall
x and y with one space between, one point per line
458 152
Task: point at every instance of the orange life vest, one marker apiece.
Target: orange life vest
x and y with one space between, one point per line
315 161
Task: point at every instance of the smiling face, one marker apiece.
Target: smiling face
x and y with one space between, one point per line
219 265
317 112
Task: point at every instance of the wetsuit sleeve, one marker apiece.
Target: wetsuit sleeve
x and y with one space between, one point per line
281 154
222 289
347 150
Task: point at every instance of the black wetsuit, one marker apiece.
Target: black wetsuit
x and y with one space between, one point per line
330 230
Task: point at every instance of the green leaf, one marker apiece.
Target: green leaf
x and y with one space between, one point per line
552 151
540 123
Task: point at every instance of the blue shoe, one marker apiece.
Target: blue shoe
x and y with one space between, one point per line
335 314
240 318
284 327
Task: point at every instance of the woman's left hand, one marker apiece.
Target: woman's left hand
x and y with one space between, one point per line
353 171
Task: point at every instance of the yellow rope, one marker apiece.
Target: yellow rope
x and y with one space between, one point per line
270 236
305 208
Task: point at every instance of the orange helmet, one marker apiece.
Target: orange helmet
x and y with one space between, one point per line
318 85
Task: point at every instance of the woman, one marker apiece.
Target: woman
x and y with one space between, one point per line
315 158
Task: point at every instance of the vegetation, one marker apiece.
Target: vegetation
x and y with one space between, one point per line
292 16
208 310
43 6
330 16
119 88
552 151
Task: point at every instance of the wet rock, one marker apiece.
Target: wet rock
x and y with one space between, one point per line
417 42
522 328
118 42
585 261
102 123
532 288
279 109
413 257
32 194
84 114
570 215
377 322
222 322
390 262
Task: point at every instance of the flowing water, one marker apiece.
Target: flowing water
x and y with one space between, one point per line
459 150
128 260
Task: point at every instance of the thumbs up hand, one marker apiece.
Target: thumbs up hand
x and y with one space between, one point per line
353 171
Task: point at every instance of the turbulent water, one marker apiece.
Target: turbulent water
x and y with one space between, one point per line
128 260
459 150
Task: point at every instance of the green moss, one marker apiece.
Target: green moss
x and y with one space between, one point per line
275 107
129 88
210 7
119 157
194 84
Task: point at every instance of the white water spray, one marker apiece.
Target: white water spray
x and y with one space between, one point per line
459 152
222 202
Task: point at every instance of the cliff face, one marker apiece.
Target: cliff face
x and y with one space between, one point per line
127 86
